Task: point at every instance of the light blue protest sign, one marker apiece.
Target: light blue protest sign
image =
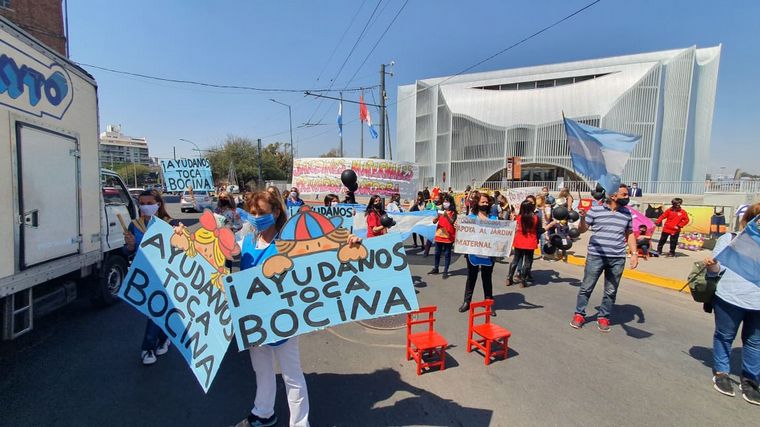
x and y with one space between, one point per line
176 291
343 211
316 290
419 222
181 174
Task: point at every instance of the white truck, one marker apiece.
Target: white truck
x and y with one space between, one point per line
59 231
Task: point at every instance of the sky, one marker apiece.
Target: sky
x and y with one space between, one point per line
298 45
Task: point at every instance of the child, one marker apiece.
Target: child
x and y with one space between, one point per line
643 240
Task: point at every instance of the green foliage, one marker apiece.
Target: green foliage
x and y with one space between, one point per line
334 152
243 153
127 172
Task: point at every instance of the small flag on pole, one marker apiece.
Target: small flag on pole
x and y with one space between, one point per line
599 154
365 117
340 119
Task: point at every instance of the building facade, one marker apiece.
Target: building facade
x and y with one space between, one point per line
43 19
467 126
117 148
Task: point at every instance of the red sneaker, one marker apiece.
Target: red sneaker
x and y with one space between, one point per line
603 324
577 321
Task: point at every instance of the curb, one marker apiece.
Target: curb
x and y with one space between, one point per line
640 276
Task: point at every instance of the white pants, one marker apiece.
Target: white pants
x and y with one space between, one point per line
289 356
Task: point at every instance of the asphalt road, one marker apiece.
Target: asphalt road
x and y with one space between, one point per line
81 366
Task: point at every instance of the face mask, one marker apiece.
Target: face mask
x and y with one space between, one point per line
622 202
293 194
484 208
333 203
148 210
262 222
446 205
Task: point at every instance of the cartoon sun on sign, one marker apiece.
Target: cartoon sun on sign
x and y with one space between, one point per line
309 232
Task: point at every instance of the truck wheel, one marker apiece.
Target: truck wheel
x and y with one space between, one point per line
109 280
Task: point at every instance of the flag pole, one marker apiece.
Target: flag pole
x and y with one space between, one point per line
361 131
341 132
575 171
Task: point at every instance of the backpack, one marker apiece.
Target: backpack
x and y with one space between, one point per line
702 286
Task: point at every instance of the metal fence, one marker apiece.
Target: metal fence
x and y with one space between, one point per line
647 187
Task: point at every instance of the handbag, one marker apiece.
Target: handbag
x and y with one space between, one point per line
702 286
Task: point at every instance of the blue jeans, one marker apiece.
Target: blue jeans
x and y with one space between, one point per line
444 248
727 320
154 336
595 266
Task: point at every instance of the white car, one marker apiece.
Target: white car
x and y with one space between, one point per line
196 202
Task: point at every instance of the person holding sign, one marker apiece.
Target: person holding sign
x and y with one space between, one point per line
155 342
375 211
331 200
445 234
294 198
481 264
524 244
269 219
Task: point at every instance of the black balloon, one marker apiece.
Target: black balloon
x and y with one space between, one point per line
549 249
574 233
348 178
573 216
386 221
353 187
556 240
559 213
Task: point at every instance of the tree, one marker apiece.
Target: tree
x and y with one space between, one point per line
128 171
244 154
334 152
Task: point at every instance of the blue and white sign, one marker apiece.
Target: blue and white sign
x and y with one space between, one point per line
32 86
183 174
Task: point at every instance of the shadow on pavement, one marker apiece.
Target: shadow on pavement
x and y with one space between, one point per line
547 277
513 301
625 314
382 398
705 355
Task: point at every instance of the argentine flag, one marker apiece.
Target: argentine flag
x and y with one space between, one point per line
742 256
599 154
340 119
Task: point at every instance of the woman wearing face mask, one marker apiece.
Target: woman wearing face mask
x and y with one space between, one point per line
331 200
419 205
481 264
225 207
445 234
524 244
395 205
155 343
294 198
374 212
268 218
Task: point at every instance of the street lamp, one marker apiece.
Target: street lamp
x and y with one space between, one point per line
194 145
290 117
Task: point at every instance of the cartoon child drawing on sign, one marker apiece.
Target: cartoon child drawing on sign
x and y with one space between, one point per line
308 232
213 242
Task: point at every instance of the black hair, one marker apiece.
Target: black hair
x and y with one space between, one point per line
527 216
371 205
330 197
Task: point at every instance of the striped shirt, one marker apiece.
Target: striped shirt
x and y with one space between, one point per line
610 229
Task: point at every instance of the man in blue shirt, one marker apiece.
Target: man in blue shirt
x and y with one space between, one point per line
612 227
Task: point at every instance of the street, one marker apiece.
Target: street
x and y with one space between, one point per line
81 366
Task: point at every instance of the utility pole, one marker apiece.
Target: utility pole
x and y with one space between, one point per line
341 133
261 180
290 118
381 147
174 148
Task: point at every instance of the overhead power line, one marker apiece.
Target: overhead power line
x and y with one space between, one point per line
215 85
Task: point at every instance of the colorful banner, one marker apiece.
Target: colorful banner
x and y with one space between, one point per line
181 174
484 237
699 219
515 196
177 292
344 211
316 284
383 177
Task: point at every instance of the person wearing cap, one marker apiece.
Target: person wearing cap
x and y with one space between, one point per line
675 219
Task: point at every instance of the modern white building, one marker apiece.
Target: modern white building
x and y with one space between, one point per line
117 148
466 126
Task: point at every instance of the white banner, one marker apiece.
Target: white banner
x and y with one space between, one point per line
515 196
484 237
383 177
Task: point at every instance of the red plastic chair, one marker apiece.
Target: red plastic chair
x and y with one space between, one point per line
428 343
491 334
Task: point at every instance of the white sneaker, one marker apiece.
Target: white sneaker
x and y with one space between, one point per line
148 357
163 348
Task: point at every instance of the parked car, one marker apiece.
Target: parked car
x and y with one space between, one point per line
198 201
135 192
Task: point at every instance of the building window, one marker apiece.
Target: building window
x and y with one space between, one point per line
526 85
6 4
545 83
